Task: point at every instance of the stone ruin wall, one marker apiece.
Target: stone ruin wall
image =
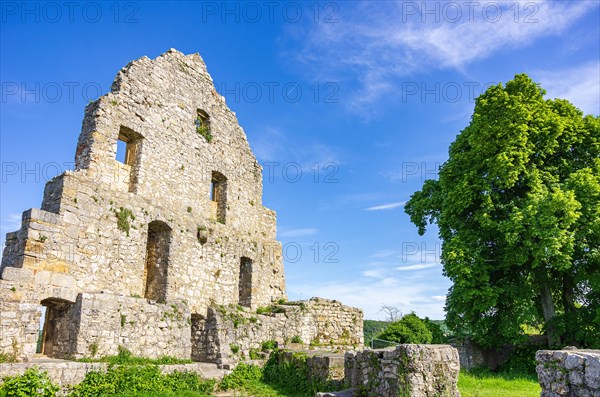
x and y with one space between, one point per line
320 323
115 232
76 232
406 370
569 373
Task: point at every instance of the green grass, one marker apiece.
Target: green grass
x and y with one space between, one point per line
166 394
258 388
488 384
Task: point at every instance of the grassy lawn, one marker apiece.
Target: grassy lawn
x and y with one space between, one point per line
250 389
479 384
487 384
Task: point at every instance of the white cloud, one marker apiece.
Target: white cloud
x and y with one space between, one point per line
267 144
439 298
389 206
299 232
580 85
279 148
379 42
419 266
11 223
371 293
383 254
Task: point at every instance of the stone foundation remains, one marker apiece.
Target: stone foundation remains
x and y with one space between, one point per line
406 371
319 323
569 373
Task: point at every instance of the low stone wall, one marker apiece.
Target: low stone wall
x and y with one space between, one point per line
147 330
321 366
94 324
320 323
66 373
569 373
472 355
406 371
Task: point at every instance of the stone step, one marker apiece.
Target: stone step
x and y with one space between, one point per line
211 371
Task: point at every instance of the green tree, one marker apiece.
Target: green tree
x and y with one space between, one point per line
517 205
437 335
371 328
409 329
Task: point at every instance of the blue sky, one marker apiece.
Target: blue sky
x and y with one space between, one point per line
348 105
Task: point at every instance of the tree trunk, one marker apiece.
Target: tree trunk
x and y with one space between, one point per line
568 302
568 294
549 313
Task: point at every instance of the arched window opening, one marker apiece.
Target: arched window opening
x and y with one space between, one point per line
218 196
128 153
157 261
245 283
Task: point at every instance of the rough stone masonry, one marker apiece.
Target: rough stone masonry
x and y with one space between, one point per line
404 371
158 228
569 373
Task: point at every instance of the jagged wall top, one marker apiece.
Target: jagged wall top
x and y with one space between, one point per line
159 100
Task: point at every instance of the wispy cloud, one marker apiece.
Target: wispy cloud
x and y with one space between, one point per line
383 254
389 206
377 273
381 282
579 84
370 293
378 43
419 266
11 223
298 232
279 148
268 144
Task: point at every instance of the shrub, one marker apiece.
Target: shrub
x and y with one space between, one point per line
7 358
521 360
123 217
242 374
296 339
203 129
125 357
409 329
437 335
270 309
32 383
268 345
372 328
291 374
254 354
142 379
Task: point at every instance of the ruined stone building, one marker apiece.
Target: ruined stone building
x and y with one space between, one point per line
158 240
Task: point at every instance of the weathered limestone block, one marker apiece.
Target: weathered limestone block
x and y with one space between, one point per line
406 370
16 274
572 373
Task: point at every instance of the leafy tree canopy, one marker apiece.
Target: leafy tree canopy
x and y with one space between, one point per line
409 329
517 205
